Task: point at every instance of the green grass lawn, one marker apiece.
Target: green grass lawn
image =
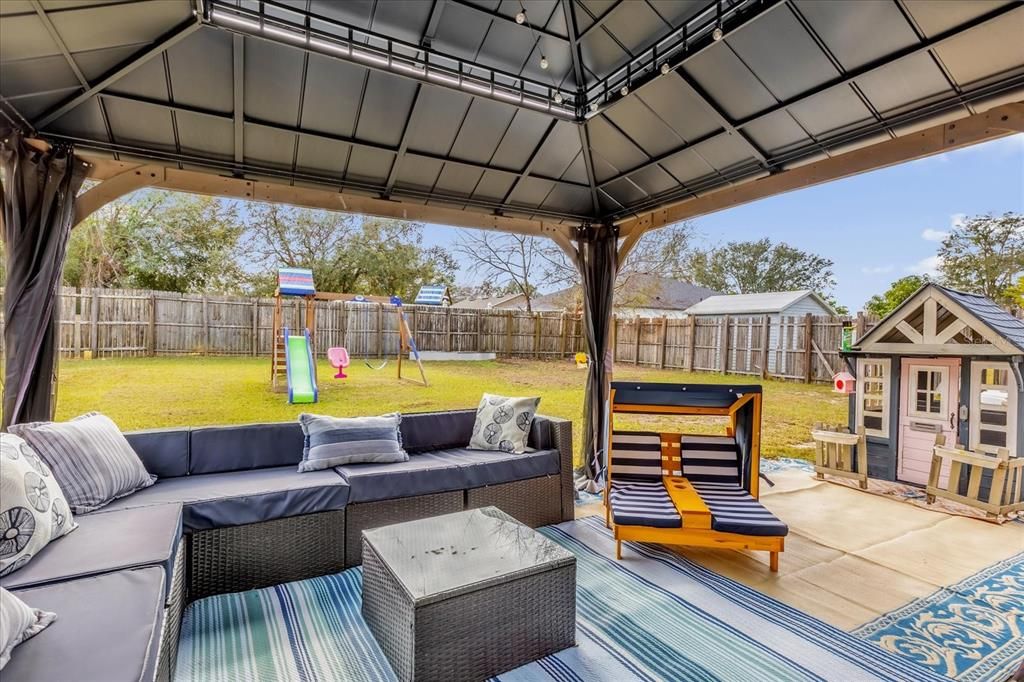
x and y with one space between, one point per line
142 393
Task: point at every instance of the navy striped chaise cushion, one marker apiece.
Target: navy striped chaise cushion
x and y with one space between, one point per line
643 503
711 459
636 455
733 510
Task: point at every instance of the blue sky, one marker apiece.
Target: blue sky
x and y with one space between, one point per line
876 227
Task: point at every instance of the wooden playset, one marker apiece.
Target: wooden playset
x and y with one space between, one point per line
288 350
682 489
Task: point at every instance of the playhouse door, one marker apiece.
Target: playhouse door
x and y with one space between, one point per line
928 407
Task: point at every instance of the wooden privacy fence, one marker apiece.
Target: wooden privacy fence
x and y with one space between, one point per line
804 348
123 323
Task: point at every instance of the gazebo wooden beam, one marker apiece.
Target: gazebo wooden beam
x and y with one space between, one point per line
118 178
994 123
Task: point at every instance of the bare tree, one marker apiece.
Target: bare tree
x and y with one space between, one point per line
659 252
513 262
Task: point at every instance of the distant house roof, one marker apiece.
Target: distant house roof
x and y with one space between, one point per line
650 291
485 303
756 304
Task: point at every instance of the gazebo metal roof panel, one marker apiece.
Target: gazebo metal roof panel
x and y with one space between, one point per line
791 81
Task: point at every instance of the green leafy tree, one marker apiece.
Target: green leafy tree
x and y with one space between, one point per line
759 266
985 255
347 253
899 291
158 240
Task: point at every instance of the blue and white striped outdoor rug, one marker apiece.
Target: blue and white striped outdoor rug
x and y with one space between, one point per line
652 616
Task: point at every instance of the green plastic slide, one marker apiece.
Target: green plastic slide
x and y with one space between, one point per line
301 384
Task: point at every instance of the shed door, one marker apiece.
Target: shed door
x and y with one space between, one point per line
928 407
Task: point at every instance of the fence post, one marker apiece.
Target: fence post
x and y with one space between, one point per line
766 332
508 333
536 334
636 348
206 327
565 334
152 326
255 339
479 332
858 330
725 345
78 324
448 329
691 351
808 348
664 338
94 332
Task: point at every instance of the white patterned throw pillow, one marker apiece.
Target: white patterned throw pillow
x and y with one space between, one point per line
503 423
33 510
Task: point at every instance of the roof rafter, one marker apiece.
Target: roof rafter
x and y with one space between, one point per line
403 143
293 130
178 34
238 95
844 79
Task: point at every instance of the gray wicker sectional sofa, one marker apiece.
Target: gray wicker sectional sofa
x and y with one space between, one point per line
230 512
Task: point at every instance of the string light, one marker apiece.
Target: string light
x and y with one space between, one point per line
558 98
521 17
665 68
544 62
624 91
717 34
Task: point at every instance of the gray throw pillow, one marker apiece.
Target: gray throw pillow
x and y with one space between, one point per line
33 511
333 441
503 423
92 461
18 622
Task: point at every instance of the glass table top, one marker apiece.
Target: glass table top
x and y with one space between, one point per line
443 556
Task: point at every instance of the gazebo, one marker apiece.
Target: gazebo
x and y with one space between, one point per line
589 123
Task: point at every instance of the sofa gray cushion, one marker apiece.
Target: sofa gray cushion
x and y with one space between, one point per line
90 458
333 441
236 498
18 622
164 452
216 449
429 431
107 541
108 628
444 470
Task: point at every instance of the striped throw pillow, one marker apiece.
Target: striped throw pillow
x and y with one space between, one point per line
90 458
334 441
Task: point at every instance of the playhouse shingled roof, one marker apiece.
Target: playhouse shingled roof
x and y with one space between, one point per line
988 312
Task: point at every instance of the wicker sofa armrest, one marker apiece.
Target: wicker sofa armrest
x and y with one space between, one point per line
559 436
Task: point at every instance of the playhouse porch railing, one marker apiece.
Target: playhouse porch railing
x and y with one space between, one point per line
837 452
993 483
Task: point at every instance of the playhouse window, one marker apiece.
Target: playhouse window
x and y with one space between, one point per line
928 390
993 406
873 396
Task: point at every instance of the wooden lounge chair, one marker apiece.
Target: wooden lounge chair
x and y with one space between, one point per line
683 489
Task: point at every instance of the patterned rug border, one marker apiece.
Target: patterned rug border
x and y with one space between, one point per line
996 666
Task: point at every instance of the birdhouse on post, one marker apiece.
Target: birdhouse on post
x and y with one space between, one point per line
844 382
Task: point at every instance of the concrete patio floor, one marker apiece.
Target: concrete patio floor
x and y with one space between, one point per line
852 556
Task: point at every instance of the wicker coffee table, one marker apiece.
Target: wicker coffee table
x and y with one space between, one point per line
466 596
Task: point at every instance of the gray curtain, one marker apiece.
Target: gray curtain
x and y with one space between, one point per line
37 190
597 262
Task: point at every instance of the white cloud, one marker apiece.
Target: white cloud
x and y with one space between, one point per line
926 266
877 269
957 220
932 235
